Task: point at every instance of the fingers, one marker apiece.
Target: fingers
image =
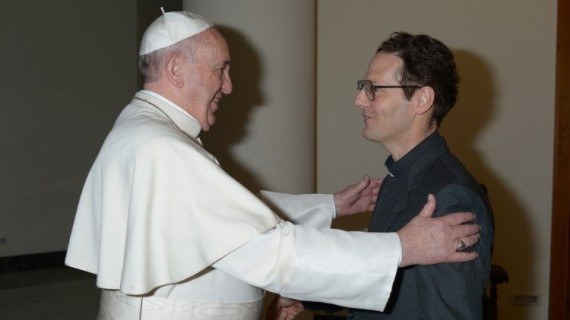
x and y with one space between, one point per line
376 181
361 185
283 309
374 186
470 240
461 246
429 207
357 198
283 315
458 218
462 256
469 233
290 312
427 240
465 242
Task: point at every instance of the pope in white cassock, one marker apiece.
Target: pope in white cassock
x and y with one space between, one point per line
170 235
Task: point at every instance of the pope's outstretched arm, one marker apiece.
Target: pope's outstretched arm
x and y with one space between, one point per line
351 269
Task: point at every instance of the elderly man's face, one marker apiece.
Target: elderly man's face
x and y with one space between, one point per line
209 78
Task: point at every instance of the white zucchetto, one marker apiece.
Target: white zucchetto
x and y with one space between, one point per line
170 28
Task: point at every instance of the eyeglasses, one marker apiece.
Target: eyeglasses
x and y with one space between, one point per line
370 88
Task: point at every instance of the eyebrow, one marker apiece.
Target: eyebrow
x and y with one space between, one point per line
223 64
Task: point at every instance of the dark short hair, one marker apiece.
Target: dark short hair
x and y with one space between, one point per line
427 62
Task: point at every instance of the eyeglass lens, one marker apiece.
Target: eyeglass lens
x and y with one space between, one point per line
366 85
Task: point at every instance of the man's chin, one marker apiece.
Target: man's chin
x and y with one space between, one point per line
206 125
211 120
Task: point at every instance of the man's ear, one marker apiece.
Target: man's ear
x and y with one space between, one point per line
425 97
173 65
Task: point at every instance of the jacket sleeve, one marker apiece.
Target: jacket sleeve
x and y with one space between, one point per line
455 290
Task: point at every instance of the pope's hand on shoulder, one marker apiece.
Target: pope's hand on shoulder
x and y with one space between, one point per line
426 240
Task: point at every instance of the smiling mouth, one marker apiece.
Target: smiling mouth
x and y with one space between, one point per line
217 99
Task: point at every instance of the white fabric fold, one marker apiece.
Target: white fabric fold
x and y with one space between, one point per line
316 210
352 269
118 306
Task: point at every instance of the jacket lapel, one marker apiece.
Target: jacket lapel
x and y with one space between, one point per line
392 200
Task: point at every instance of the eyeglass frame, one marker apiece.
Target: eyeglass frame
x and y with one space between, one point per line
360 86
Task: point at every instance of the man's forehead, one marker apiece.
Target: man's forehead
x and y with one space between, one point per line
384 66
214 46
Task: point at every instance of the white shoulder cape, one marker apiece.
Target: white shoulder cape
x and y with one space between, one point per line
156 208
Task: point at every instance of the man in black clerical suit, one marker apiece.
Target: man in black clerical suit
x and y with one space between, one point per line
410 86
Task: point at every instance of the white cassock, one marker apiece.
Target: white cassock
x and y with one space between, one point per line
170 235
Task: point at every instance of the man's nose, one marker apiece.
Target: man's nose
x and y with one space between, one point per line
361 100
227 86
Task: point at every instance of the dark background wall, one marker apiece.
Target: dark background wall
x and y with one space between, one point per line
67 68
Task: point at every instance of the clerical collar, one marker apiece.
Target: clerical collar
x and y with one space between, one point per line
402 166
182 119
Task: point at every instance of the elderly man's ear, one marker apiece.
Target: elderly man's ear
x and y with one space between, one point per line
173 66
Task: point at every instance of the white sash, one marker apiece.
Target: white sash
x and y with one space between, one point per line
116 305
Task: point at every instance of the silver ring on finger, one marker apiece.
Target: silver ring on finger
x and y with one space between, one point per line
461 246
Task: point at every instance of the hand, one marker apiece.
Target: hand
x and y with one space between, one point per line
427 240
357 198
283 309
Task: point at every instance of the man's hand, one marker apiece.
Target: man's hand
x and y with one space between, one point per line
283 309
427 240
357 198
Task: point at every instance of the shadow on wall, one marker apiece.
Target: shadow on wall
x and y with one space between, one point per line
514 248
232 117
